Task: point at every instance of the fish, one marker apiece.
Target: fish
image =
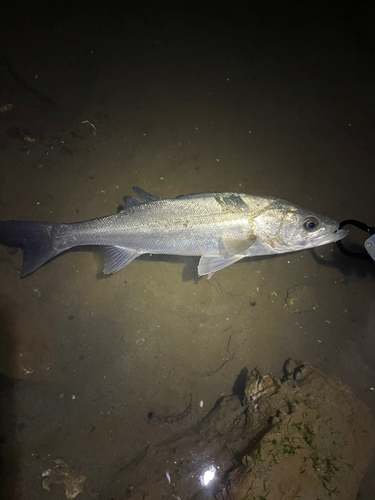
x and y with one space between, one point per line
220 227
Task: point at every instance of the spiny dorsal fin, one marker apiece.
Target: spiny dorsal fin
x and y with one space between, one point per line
130 201
144 195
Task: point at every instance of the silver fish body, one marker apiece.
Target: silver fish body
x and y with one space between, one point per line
222 228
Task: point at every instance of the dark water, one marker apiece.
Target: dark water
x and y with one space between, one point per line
276 100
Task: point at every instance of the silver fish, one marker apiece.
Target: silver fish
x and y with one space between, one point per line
222 228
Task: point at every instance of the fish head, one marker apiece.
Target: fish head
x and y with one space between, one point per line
286 227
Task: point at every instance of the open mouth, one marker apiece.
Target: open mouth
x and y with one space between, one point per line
339 234
336 235
330 237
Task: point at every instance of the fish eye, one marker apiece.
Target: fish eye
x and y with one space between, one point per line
311 224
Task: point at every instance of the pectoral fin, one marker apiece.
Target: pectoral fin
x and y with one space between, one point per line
209 264
235 246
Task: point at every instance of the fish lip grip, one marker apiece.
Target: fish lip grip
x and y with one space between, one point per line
369 243
370 246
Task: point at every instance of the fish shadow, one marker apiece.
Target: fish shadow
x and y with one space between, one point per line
346 265
189 272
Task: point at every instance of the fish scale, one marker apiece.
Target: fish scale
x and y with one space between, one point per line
222 228
179 226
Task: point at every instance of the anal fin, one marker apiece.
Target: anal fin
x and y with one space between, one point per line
209 264
117 257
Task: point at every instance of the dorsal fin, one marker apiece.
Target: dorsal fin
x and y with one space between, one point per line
144 195
130 201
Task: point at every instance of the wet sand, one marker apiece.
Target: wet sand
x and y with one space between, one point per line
275 101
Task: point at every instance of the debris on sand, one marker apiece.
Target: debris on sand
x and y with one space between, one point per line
60 474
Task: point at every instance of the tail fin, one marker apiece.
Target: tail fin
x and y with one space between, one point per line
36 239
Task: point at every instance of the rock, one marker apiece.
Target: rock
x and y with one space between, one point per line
296 370
258 387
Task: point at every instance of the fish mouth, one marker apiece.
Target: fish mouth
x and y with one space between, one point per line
339 234
336 235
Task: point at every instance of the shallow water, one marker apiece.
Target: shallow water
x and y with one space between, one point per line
275 101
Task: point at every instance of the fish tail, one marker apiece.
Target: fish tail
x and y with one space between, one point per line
37 239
